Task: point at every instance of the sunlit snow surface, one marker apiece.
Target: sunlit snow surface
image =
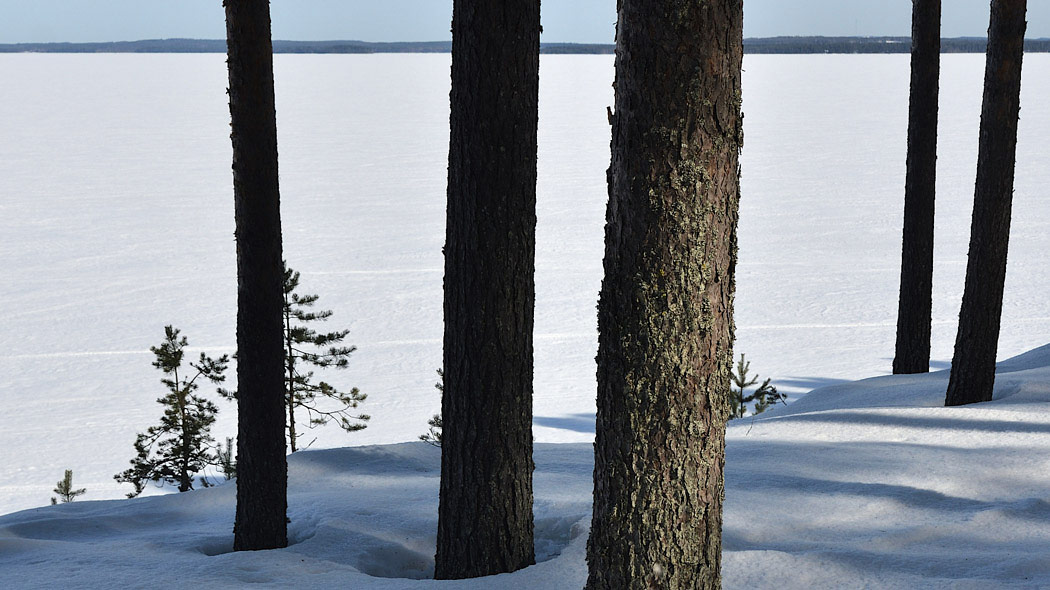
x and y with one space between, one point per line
869 484
116 218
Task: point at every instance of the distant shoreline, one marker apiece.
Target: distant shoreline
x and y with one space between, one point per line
765 45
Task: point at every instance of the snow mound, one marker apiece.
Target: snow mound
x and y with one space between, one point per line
869 484
874 484
1021 379
363 516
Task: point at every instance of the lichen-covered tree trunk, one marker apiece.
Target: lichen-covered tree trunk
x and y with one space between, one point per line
665 315
485 521
973 367
916 297
262 471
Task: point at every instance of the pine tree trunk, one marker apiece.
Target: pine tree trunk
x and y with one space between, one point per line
289 389
185 483
291 423
184 447
916 297
665 315
485 515
973 368
262 471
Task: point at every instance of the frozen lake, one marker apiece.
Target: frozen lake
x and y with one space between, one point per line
116 217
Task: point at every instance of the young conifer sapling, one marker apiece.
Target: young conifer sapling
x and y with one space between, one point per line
433 435
305 350
64 489
227 457
765 396
181 445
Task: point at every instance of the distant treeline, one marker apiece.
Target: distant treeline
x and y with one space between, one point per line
873 45
757 45
219 46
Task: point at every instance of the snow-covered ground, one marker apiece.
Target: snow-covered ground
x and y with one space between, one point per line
870 484
116 219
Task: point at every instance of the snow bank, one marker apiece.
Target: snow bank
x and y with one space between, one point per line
875 484
360 517
867 484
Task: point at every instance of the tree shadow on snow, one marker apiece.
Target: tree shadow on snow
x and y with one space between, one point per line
935 365
575 422
807 383
952 423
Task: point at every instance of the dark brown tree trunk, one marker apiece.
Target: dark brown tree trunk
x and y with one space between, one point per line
185 478
665 315
289 359
916 297
485 514
262 471
973 368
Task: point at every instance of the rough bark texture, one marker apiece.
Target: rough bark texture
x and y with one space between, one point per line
262 472
485 516
973 368
916 297
665 316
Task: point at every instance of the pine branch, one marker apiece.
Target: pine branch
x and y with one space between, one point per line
302 342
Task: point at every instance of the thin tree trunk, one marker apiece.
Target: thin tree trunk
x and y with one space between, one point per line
184 469
185 484
973 368
262 471
916 297
291 423
289 359
485 521
665 315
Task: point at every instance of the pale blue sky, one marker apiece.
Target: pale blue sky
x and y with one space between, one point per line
581 21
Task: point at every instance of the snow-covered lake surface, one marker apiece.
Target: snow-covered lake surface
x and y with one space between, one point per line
116 218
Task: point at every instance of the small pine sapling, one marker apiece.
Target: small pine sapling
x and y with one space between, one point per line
433 435
765 396
305 347
227 460
65 491
181 444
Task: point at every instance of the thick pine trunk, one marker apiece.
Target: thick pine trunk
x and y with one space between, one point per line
485 515
262 471
665 315
973 368
916 296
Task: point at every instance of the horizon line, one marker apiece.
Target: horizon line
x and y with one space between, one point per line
433 42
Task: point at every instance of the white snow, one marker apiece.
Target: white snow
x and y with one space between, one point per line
116 217
869 484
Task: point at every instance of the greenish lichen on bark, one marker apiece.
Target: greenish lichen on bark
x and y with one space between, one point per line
665 312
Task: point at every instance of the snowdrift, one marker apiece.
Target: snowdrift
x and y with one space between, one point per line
865 484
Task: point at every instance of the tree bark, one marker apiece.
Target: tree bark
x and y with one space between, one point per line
289 359
485 523
914 314
262 471
665 315
973 368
